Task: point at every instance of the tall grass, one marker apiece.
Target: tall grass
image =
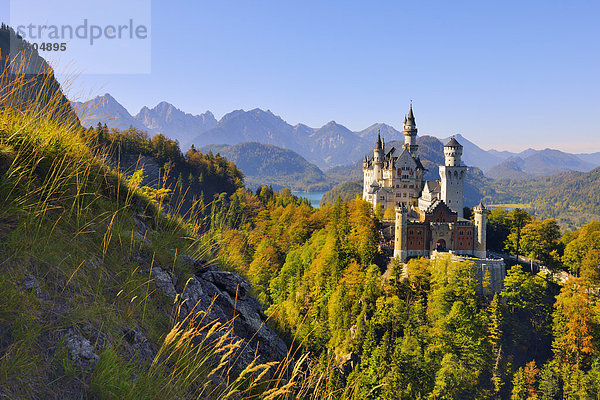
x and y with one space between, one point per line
61 204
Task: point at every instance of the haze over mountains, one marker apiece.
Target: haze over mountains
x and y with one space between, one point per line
332 145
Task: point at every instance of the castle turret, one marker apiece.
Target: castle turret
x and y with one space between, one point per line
400 233
378 159
480 217
453 152
410 132
452 176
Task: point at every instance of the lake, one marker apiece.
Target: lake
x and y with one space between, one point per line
313 197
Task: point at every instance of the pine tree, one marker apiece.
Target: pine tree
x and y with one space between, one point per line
531 371
549 379
519 390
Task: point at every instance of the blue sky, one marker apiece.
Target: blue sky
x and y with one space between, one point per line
506 75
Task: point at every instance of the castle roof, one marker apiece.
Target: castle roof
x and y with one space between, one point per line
480 207
453 143
419 164
432 186
438 203
411 116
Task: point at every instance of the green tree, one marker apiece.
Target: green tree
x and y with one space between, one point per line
574 324
550 385
539 239
518 218
519 389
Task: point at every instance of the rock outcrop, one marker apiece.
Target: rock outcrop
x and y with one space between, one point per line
226 296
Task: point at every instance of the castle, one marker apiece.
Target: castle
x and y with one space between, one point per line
428 214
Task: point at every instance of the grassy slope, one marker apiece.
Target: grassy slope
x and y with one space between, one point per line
72 266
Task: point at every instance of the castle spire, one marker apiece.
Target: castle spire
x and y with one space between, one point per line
379 144
411 116
409 130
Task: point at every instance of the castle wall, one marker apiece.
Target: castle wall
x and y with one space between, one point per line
496 268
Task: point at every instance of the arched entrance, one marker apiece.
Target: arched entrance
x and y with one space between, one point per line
440 245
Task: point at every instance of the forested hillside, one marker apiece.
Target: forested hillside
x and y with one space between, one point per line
573 198
264 164
428 334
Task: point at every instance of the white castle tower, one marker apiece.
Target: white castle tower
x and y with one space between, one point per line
378 159
400 232
410 132
480 217
452 175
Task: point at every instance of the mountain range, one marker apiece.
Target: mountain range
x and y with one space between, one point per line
332 145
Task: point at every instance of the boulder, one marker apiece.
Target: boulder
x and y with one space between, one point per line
81 351
348 362
164 281
216 291
229 282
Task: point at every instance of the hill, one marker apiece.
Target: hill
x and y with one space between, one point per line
386 131
573 198
264 164
538 163
330 145
346 191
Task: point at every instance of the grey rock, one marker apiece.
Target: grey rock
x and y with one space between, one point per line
140 345
98 339
202 293
31 284
231 283
81 350
164 281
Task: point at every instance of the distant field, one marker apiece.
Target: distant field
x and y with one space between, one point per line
510 205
